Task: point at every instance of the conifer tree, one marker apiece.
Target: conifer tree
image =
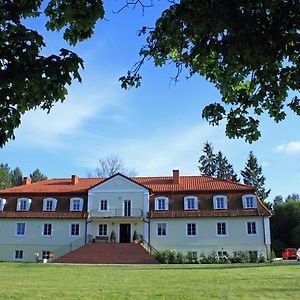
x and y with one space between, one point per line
223 167
207 161
252 175
16 177
37 175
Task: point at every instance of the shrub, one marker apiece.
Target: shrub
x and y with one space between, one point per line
212 258
113 236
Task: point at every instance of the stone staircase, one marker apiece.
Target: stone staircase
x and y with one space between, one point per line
108 253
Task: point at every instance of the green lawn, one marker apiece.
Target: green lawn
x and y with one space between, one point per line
245 281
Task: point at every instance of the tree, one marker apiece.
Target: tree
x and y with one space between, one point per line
252 175
16 177
5 176
29 79
207 160
248 49
37 175
110 166
215 165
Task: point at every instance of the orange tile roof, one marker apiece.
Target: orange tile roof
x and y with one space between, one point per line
156 184
41 214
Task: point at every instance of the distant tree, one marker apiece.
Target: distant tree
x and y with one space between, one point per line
5 176
16 177
292 197
278 200
252 175
110 166
37 176
215 165
207 161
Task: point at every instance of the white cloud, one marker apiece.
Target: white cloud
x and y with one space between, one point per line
292 148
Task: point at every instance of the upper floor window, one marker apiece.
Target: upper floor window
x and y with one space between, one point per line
190 203
23 204
220 202
251 228
74 229
161 203
103 205
20 229
76 204
47 229
2 203
49 204
191 229
221 229
249 201
161 229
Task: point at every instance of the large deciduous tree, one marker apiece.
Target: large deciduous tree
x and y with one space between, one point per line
252 175
250 51
29 79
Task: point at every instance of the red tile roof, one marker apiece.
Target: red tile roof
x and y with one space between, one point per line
156 184
41 214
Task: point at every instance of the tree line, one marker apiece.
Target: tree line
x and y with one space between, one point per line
14 177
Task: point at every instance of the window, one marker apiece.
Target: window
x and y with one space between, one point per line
103 230
19 254
20 229
76 204
193 255
161 229
249 201
2 203
75 229
220 202
222 254
47 254
161 203
190 203
23 204
47 229
49 204
103 205
251 228
191 229
221 228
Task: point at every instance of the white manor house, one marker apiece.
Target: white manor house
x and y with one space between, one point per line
54 218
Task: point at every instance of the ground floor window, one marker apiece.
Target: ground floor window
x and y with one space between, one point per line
103 230
191 229
161 229
74 229
19 254
47 254
222 254
193 255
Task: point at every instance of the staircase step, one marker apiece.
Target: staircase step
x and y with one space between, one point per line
108 253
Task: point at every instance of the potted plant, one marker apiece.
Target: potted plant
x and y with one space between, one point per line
135 237
113 236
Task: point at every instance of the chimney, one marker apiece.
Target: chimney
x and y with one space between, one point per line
26 181
228 177
176 176
74 179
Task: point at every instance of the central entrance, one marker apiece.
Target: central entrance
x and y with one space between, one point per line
125 233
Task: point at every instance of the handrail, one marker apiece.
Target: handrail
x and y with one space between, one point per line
116 213
149 247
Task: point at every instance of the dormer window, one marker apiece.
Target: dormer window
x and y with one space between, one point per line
76 204
161 203
220 202
23 204
190 203
2 203
249 201
49 204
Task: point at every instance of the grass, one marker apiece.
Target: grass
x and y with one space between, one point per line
245 281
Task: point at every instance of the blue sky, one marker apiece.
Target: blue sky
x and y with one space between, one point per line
154 129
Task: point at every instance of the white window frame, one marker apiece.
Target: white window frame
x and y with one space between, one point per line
226 229
215 201
80 208
18 258
103 224
2 203
186 229
186 202
245 199
45 202
27 204
16 231
166 230
256 229
107 205
161 198
193 254
70 230
43 230
46 254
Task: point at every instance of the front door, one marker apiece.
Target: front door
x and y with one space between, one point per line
125 233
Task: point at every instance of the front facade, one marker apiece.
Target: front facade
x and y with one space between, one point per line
190 214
